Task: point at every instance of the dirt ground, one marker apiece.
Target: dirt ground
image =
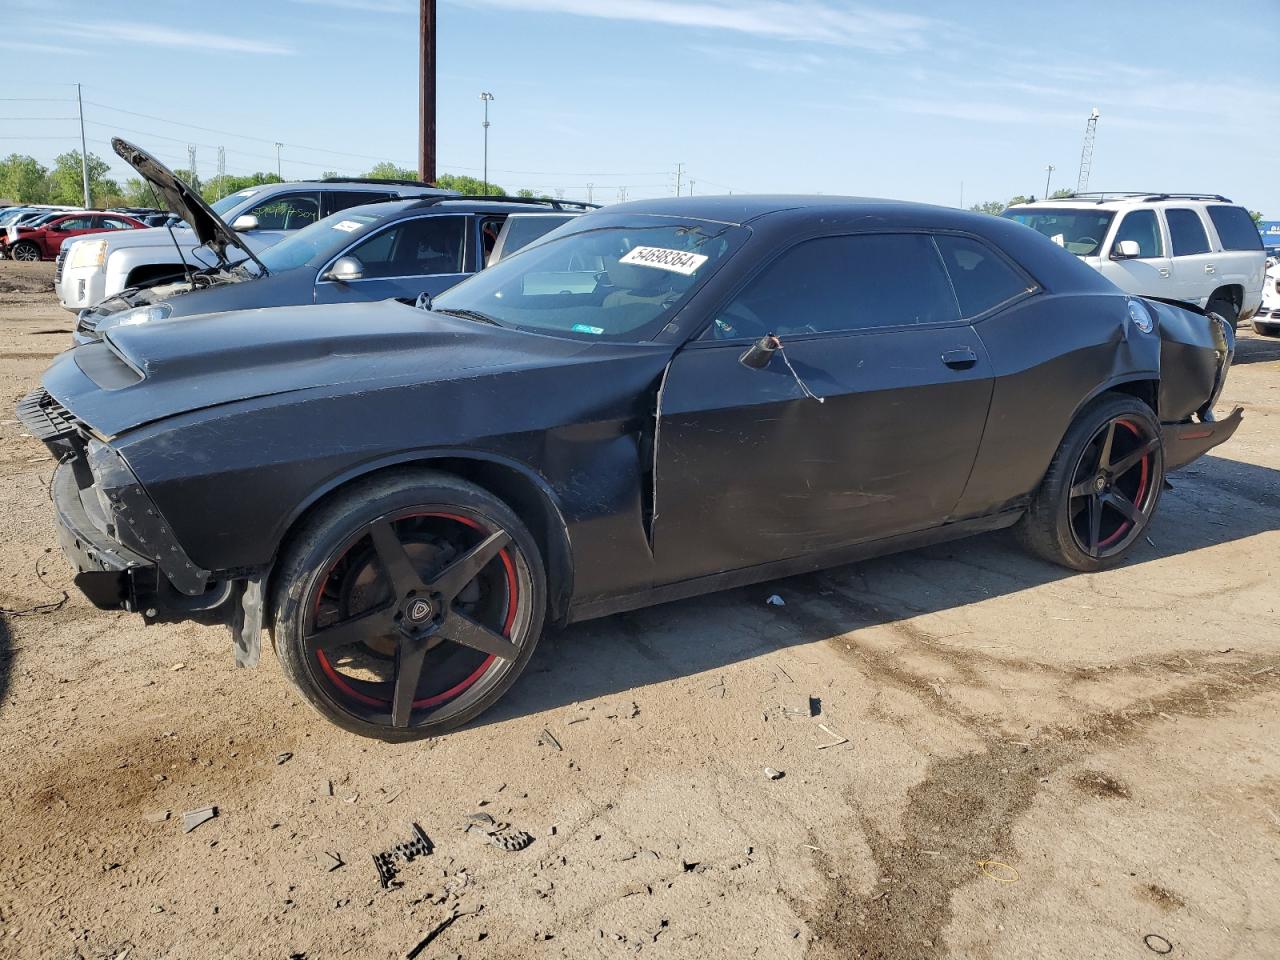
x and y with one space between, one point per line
1038 763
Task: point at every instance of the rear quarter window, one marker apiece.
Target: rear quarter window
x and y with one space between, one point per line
1235 228
980 277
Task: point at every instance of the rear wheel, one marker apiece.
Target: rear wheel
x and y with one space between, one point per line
1101 488
409 605
1266 329
26 251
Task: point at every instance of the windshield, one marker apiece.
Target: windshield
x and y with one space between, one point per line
9 216
1079 231
317 242
523 230
609 277
229 202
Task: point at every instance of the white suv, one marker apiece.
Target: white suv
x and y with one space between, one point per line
1198 248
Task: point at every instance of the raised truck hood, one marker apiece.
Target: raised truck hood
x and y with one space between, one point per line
147 372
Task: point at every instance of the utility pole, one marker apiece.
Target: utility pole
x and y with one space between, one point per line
679 174
1086 151
622 194
84 153
191 165
961 194
691 183
1048 174
589 186
487 98
427 92
222 170
278 146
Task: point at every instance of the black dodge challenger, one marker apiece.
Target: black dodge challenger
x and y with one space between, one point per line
661 399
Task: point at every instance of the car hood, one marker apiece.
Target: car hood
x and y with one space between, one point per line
209 228
193 363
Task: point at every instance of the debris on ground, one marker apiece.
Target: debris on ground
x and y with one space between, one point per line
776 601
282 758
491 831
773 774
548 739
435 931
193 818
836 738
157 816
331 861
419 846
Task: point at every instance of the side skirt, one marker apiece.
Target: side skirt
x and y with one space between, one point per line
606 606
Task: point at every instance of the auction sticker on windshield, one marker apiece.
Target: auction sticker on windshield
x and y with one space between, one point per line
677 261
346 226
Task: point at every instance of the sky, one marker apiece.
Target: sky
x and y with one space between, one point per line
944 102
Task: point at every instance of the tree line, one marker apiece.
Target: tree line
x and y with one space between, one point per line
23 179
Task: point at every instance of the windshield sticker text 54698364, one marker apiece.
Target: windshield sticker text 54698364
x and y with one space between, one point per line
677 261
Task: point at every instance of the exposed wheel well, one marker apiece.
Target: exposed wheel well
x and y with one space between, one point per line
1232 292
526 499
1148 391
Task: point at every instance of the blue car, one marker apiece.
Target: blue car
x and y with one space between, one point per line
397 249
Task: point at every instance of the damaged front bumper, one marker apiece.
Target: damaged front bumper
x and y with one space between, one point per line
1184 442
107 572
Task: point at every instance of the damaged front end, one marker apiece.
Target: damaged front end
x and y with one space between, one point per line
124 551
1196 350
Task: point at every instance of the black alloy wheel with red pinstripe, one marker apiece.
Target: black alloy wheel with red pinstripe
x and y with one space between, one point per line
408 605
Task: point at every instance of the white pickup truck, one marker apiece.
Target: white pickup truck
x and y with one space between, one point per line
1199 248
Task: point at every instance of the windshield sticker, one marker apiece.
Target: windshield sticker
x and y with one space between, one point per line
585 328
346 226
1059 239
677 261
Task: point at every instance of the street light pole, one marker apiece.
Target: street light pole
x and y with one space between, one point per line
84 153
486 97
1048 175
278 146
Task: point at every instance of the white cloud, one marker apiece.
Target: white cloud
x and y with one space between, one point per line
41 47
148 35
815 20
749 58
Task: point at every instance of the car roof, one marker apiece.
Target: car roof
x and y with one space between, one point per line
739 209
389 209
1111 201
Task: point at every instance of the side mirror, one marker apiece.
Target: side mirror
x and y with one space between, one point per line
758 355
1125 250
246 221
345 269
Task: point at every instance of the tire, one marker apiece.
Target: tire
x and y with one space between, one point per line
1264 329
1059 524
1226 309
26 251
359 614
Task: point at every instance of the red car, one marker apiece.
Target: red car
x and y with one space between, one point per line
42 242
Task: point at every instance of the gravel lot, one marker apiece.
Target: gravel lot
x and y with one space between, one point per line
1109 740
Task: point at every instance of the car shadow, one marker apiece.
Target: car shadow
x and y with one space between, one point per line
6 658
1256 349
1211 502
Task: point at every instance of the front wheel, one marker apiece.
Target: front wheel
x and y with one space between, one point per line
1226 309
1101 488
26 251
409 605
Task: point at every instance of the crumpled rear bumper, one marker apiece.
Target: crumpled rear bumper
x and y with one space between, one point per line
1184 442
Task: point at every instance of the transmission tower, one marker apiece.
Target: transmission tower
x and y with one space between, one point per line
222 169
1086 152
191 166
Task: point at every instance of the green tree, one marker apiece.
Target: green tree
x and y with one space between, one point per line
469 186
389 171
1257 217
993 207
1062 193
23 179
525 192
215 188
66 185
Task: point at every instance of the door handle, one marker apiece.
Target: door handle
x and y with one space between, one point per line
1164 272
1208 268
962 358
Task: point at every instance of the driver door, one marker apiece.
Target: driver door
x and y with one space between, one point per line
750 469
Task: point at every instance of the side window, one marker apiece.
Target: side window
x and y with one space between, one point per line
1186 232
1143 228
425 246
836 284
342 199
1235 228
290 212
75 223
490 227
981 278
111 223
